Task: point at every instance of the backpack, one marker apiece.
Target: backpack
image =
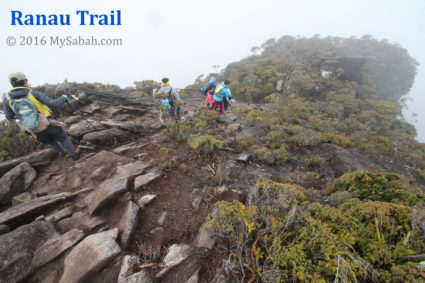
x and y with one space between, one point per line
28 115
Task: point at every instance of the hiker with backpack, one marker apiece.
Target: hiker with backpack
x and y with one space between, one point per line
208 90
31 109
222 92
174 100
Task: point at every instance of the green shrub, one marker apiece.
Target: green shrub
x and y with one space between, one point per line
204 143
335 138
378 187
314 162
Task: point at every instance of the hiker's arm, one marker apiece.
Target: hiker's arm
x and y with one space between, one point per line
8 112
47 100
177 96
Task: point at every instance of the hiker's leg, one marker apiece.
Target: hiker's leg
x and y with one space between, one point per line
56 147
67 144
46 138
221 107
214 106
226 104
173 116
178 113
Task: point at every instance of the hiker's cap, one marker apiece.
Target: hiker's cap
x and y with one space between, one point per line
16 77
165 81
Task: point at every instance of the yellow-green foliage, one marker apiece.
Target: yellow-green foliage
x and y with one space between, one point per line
180 131
13 142
314 161
204 143
253 116
271 98
210 117
357 241
335 138
282 154
377 186
304 138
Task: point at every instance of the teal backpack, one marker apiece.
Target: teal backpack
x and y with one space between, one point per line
26 111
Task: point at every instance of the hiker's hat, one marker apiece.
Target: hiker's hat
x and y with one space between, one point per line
16 77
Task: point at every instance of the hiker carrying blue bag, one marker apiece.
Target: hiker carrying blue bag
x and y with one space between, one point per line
31 110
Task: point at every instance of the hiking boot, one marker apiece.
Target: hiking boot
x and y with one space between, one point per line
63 154
76 156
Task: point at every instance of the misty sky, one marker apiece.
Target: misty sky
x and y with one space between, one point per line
182 39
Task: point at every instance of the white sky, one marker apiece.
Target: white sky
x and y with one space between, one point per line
185 38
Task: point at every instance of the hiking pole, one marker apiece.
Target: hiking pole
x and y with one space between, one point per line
76 110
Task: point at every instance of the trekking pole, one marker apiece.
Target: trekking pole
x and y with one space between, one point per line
75 109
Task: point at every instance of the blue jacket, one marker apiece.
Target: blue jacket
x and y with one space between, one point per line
209 85
22 92
222 91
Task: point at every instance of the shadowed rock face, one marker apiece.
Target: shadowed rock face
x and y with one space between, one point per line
16 181
17 249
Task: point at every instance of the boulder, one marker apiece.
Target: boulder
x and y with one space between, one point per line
82 221
4 229
61 214
231 169
128 223
131 126
131 147
133 169
24 197
36 159
250 132
83 127
243 157
126 273
145 200
198 196
108 191
17 249
195 277
106 137
175 255
28 211
55 247
72 120
16 181
205 239
144 180
90 256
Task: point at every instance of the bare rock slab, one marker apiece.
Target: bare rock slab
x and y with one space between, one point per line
129 148
108 191
30 210
20 199
35 159
128 223
61 214
16 181
55 247
145 200
106 137
82 221
176 254
145 179
133 169
18 247
204 239
126 273
89 256
81 128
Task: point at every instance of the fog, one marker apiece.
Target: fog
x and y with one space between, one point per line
182 39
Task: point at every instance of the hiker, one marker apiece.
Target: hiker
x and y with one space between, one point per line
222 92
31 109
228 102
208 90
174 100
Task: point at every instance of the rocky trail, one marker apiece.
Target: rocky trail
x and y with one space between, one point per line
131 209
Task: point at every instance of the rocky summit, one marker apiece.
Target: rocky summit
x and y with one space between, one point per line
316 179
